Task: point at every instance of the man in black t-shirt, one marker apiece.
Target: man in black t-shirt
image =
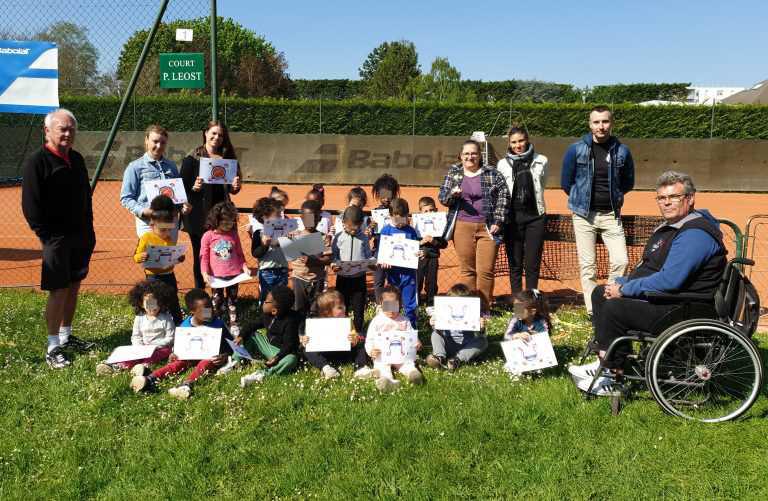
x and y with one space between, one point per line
597 171
56 201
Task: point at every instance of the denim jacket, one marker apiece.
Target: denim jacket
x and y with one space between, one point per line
579 169
132 195
495 197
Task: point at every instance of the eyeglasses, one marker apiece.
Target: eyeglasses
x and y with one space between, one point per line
675 199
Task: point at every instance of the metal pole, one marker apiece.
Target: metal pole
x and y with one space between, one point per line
321 113
413 122
712 123
128 94
214 84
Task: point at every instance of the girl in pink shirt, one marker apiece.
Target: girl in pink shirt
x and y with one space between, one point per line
221 256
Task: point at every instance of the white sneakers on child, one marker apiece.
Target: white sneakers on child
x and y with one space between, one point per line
364 372
139 370
105 369
415 377
252 378
330 372
386 385
231 365
182 392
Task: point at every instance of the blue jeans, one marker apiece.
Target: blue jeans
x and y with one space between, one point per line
269 278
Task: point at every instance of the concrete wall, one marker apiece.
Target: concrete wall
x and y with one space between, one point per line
716 165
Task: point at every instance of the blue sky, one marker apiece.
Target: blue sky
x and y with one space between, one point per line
583 43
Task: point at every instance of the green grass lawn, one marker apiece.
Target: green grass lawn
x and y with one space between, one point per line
475 433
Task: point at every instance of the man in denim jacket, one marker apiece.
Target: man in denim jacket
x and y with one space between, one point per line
150 166
597 171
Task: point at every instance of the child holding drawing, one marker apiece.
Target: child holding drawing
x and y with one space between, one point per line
199 304
384 189
531 315
280 344
450 349
330 304
402 278
309 271
153 325
221 257
273 268
352 245
388 320
163 223
429 259
317 194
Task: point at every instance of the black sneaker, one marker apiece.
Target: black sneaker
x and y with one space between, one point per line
453 364
76 344
57 359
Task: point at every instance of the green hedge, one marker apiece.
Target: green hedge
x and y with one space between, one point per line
638 92
365 117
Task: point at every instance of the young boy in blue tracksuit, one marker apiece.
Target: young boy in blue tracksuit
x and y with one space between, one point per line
402 278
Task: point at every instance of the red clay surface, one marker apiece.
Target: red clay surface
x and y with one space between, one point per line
113 270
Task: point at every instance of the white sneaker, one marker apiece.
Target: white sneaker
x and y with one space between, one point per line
386 385
330 373
364 372
602 387
231 365
252 378
139 370
182 392
584 371
415 377
105 369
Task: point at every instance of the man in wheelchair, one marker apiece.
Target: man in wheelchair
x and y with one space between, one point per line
684 256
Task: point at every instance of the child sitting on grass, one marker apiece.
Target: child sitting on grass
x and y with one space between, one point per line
164 223
531 315
279 346
452 348
153 325
330 304
199 304
388 319
309 271
221 256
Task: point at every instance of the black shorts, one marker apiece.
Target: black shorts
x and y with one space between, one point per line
65 260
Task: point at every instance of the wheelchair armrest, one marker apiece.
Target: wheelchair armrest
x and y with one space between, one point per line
680 297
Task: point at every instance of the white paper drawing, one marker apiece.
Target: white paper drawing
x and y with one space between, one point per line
255 224
310 244
324 226
381 217
196 343
218 170
529 355
220 283
130 353
163 256
171 188
328 334
397 347
398 252
349 268
239 350
457 313
276 228
430 223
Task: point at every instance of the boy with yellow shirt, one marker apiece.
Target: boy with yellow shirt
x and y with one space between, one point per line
163 221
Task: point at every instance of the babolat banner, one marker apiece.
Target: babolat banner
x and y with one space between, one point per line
29 77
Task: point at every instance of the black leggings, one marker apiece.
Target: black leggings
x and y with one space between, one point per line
225 300
195 239
426 278
524 243
355 291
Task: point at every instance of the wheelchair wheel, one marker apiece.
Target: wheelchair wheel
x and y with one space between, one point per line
704 370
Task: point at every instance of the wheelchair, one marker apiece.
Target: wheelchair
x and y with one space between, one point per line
700 362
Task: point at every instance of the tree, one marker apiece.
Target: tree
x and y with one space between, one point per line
247 66
442 83
77 57
390 69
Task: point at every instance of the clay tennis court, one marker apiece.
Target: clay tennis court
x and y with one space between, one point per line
113 269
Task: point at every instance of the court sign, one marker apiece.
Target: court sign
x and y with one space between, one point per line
29 76
182 70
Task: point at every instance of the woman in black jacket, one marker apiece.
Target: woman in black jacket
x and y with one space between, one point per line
202 197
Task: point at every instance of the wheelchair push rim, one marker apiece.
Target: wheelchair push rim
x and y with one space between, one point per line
704 370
